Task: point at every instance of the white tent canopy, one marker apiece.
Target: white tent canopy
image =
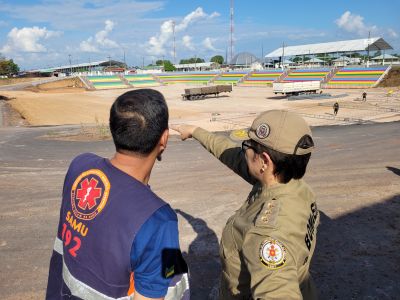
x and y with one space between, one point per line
374 44
385 56
314 60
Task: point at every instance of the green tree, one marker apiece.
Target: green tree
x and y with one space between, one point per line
8 67
191 60
217 59
168 66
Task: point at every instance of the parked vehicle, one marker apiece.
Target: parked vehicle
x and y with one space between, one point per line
296 88
201 92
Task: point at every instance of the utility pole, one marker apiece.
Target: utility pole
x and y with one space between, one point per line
70 64
283 54
173 33
231 32
262 53
124 59
109 60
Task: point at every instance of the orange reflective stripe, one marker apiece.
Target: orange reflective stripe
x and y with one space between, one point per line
131 285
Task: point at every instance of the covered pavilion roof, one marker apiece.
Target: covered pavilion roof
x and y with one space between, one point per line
374 44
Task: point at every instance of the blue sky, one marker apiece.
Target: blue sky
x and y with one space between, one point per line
43 33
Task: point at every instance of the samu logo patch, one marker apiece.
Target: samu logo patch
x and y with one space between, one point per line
89 194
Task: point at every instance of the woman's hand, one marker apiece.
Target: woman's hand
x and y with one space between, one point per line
185 130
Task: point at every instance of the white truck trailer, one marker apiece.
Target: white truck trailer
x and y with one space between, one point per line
296 88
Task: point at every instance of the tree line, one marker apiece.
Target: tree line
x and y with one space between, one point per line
168 65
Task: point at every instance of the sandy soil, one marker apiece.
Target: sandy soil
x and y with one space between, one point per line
229 111
354 172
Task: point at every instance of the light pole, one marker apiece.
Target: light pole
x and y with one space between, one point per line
70 65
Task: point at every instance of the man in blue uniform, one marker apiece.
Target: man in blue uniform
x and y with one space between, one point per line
117 239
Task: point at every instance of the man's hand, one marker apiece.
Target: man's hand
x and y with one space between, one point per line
185 130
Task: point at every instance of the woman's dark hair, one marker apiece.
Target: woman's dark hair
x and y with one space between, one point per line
137 120
287 166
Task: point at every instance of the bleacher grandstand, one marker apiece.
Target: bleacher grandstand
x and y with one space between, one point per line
356 77
307 75
199 78
107 82
262 77
141 80
230 77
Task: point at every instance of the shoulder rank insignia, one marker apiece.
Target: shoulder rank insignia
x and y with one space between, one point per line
268 214
272 254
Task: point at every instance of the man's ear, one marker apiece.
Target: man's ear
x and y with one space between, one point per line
164 139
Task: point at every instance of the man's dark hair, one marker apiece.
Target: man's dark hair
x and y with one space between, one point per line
137 120
287 166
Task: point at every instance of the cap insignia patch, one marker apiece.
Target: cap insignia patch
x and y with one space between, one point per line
262 131
272 254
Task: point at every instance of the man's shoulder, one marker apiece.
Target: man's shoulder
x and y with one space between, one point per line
85 157
165 213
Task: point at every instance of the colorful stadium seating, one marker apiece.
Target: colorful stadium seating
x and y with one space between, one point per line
199 78
107 82
307 75
356 77
141 80
230 77
261 78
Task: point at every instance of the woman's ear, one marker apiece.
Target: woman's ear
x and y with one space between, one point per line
266 158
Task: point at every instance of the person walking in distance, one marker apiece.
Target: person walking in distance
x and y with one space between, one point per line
116 238
267 245
335 108
364 96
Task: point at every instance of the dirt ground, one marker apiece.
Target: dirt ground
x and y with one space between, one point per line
229 111
354 172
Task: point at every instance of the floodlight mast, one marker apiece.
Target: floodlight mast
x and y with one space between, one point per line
369 36
231 32
173 33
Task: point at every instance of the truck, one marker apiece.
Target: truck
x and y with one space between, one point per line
201 92
296 88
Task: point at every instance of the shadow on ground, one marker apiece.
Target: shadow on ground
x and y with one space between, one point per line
202 258
356 249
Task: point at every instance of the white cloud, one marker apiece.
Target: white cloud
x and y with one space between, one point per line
101 40
208 44
156 44
214 15
392 33
27 39
354 24
190 18
187 42
88 46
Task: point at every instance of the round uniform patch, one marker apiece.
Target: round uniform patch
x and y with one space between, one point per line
262 131
89 194
272 254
